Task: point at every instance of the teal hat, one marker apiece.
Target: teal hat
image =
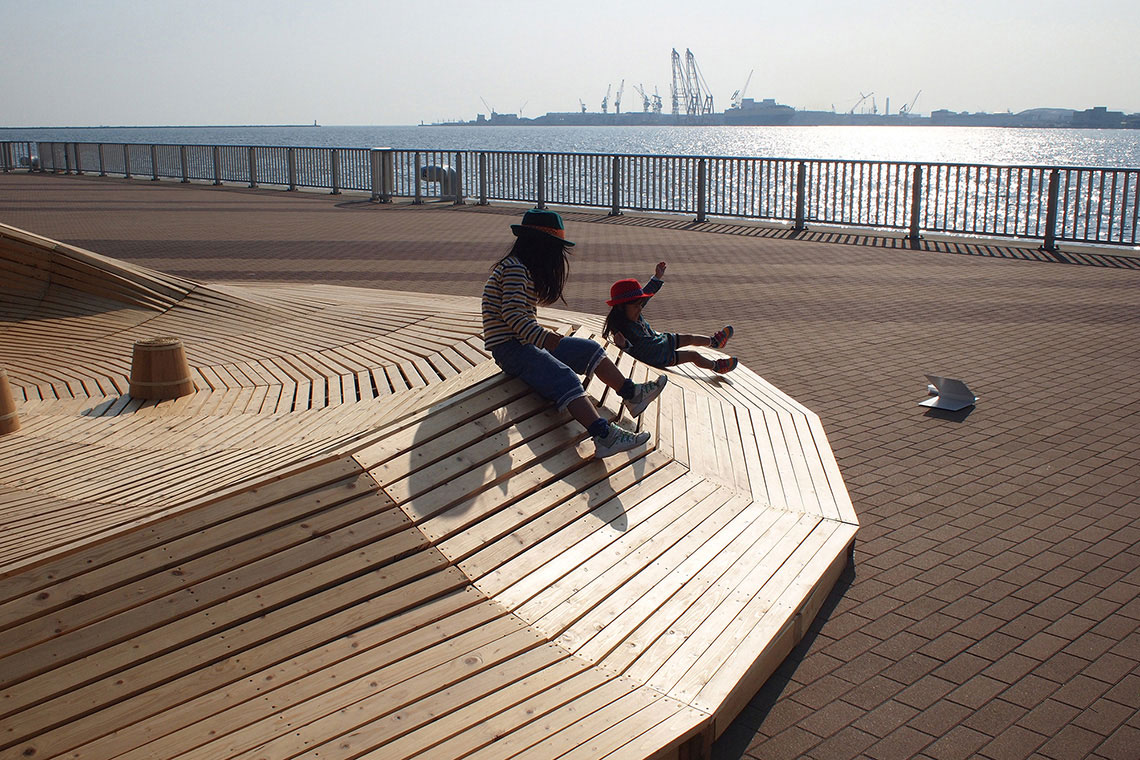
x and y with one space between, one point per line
544 222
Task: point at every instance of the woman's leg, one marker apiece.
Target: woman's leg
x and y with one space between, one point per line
585 356
583 410
609 374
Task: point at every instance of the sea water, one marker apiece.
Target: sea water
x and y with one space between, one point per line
1115 148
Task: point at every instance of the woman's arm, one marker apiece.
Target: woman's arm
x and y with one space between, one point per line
519 310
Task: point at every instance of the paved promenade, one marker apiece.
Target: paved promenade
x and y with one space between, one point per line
993 609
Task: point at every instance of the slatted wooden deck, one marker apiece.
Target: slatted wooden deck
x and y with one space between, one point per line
359 539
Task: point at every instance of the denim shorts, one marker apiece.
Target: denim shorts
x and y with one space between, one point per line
554 375
660 352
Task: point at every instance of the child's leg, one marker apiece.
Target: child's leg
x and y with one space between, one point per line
693 340
693 357
720 366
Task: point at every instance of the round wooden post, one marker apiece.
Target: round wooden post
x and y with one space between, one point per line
9 420
159 370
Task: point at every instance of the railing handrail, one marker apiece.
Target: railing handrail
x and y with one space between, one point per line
671 156
1038 202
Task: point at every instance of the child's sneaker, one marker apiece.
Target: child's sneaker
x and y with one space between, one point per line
618 439
725 365
720 337
643 393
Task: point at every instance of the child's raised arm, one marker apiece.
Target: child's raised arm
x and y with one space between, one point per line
660 271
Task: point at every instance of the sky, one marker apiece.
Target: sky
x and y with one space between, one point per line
382 62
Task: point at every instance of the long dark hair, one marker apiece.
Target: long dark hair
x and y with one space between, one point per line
547 259
616 321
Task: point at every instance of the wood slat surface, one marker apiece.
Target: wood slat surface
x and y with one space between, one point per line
358 538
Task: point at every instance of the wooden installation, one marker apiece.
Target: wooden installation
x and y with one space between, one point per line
356 538
9 418
159 370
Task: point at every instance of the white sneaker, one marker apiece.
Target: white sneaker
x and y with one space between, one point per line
617 440
643 393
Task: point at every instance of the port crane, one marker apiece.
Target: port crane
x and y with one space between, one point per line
617 98
644 98
690 87
583 104
859 102
906 110
606 100
738 96
489 108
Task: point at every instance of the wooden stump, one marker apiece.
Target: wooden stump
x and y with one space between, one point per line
159 370
9 420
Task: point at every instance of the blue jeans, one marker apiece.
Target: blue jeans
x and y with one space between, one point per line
552 374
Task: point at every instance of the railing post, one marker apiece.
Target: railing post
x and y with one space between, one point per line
418 198
418 193
252 167
483 179
389 166
126 161
217 165
915 203
154 163
1051 212
382 174
377 177
615 187
5 151
334 159
801 181
702 189
182 154
102 162
78 163
541 181
459 178
291 161
66 158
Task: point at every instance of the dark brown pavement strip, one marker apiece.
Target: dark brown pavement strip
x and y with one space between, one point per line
993 609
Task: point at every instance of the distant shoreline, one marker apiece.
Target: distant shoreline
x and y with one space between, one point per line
179 126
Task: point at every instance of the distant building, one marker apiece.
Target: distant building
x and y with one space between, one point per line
944 118
1099 118
1046 117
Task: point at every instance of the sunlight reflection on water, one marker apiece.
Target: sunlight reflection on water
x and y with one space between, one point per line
973 145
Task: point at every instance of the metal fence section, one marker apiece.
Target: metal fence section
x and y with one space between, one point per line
1050 204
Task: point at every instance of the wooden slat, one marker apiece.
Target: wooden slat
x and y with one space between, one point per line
239 546
197 682
458 732
470 675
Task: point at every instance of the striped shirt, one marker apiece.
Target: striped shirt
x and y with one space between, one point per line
510 306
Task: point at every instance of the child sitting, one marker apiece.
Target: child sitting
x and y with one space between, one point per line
628 329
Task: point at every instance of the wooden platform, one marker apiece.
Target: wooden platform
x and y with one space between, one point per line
359 539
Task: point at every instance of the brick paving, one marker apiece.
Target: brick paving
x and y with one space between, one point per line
992 610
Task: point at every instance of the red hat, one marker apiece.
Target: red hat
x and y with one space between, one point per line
626 291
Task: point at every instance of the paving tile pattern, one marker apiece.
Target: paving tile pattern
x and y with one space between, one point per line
993 608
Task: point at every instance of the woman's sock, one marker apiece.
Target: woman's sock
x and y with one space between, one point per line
627 388
599 428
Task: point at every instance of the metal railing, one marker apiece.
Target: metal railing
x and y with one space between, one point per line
1050 204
